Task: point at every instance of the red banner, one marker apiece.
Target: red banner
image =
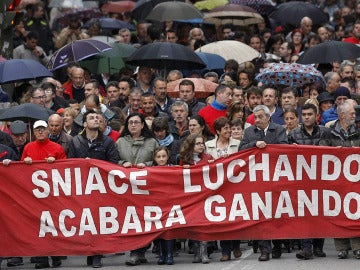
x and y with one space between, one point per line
84 206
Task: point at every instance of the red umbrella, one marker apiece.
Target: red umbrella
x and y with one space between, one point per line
203 88
118 7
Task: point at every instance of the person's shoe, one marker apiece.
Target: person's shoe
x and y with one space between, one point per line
225 258
142 259
237 253
96 261
15 261
319 253
304 255
136 260
161 260
34 259
56 263
276 254
357 254
169 260
264 257
42 265
89 260
156 248
343 254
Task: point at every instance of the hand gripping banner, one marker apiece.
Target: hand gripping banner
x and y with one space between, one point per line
85 206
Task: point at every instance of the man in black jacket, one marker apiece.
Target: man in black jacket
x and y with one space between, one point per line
309 133
91 143
262 133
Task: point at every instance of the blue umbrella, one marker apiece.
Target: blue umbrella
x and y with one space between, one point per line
110 23
212 61
76 51
22 69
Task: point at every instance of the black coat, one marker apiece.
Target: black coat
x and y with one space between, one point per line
275 134
102 148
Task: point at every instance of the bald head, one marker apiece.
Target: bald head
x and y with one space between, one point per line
306 25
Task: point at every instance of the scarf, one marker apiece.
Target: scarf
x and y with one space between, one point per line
166 141
218 106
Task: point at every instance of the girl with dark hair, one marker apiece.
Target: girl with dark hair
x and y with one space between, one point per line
161 158
193 152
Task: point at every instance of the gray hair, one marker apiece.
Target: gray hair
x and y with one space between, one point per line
178 103
344 64
329 75
262 108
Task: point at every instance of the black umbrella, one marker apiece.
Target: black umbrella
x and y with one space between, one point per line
27 112
165 55
171 11
292 13
143 8
110 23
22 69
330 51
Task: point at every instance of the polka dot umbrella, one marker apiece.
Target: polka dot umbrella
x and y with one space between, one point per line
294 75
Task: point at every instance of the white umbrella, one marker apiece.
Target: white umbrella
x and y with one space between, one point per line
66 4
231 49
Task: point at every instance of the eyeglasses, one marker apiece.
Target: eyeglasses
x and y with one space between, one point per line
199 143
48 91
134 123
39 97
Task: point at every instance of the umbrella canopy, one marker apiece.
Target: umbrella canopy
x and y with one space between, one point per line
22 69
76 51
212 61
233 14
84 15
203 88
105 39
294 74
330 51
118 7
27 112
231 49
209 4
264 7
292 13
111 61
110 23
66 4
165 55
170 11
143 8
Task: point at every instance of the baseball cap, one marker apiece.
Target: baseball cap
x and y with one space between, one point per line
40 123
18 127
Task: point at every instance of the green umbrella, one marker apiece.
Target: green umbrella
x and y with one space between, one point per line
111 61
210 4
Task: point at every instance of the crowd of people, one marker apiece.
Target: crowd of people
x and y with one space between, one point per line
129 119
